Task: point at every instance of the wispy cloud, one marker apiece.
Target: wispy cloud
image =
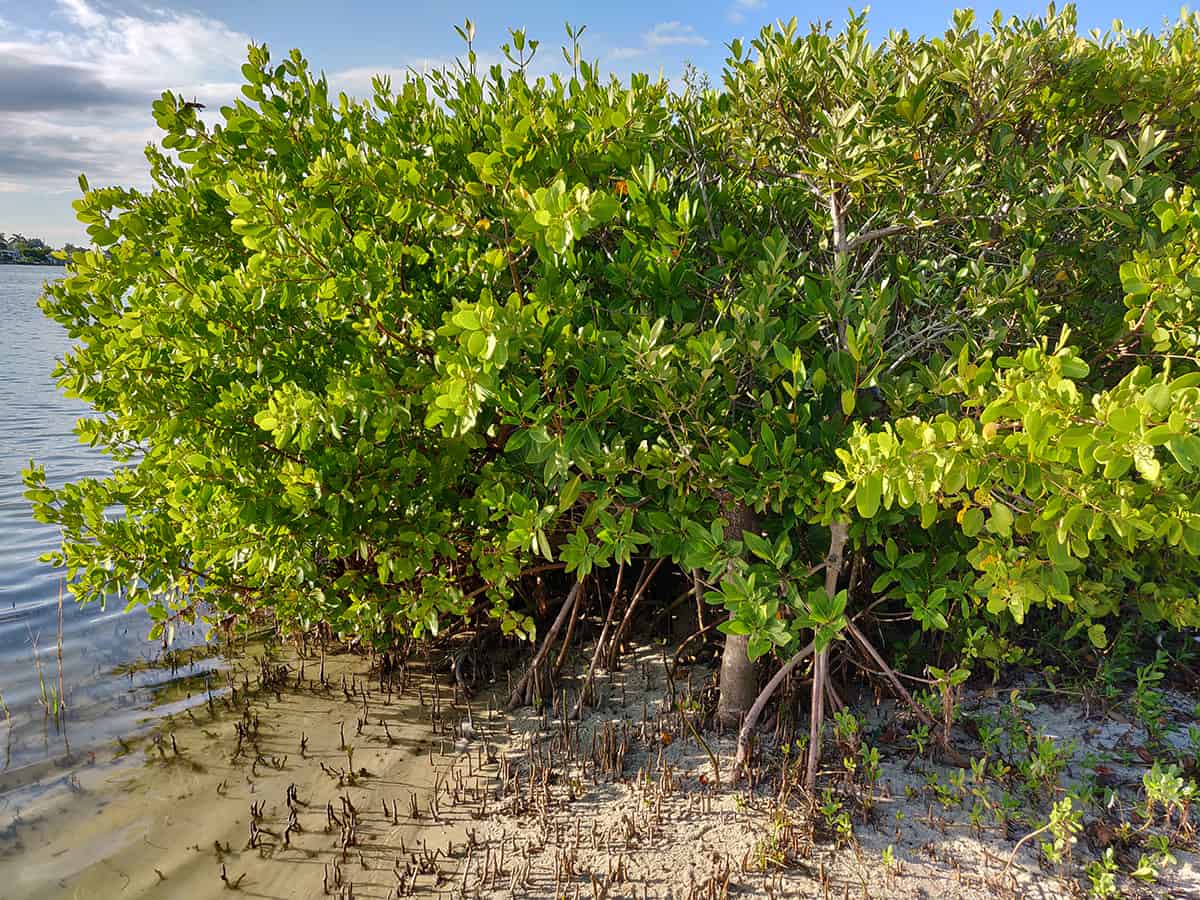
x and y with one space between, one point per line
739 9
81 14
673 34
359 81
75 95
664 34
626 52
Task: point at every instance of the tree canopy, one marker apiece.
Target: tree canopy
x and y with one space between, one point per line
365 363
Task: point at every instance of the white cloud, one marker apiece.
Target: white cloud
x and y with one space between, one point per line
96 75
673 34
737 12
357 82
81 14
626 52
664 34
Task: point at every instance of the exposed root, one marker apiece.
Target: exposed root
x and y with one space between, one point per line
587 679
833 570
518 695
752 717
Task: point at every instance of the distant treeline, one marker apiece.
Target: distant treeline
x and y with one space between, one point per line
16 248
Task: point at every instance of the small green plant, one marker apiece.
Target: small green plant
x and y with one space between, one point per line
1148 701
920 736
845 728
1046 764
869 764
958 781
836 818
1064 824
1166 787
978 814
990 733
948 683
1102 875
1158 857
979 769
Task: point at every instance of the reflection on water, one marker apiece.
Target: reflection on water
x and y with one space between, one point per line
110 673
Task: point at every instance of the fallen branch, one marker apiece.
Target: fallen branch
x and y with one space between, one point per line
518 695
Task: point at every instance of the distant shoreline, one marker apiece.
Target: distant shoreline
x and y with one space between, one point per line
32 262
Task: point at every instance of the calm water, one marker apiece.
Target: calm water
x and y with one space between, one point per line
113 678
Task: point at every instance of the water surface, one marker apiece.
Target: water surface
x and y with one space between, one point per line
112 676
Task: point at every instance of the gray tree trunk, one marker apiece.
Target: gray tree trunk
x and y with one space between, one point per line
739 676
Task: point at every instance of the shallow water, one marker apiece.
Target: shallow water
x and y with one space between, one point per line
112 676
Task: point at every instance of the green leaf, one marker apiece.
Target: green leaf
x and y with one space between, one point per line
759 546
570 491
1125 419
1001 520
867 495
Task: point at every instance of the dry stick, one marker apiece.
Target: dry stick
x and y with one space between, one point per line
587 679
833 569
642 585
518 694
566 644
748 726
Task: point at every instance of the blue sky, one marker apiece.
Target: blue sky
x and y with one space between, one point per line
77 76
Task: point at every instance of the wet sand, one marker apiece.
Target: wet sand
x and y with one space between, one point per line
167 819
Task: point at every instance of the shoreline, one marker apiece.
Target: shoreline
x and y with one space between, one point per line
404 788
226 790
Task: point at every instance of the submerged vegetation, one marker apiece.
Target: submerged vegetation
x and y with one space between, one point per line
893 338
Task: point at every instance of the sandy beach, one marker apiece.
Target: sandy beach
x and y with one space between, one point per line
392 785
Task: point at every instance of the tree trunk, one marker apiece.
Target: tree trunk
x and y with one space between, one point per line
739 676
833 569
